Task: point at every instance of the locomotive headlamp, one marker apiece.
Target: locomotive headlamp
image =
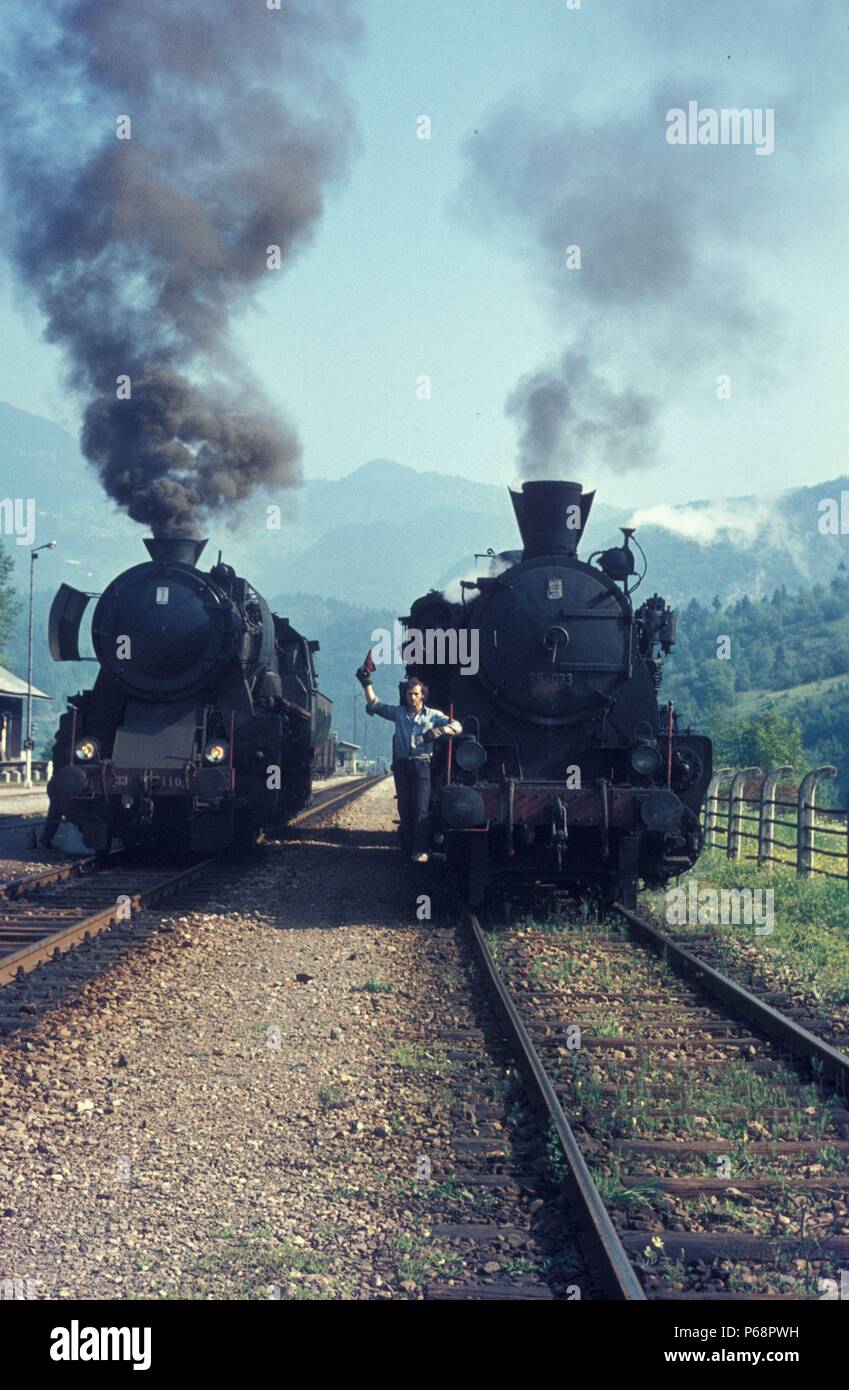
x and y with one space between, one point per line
128 801
470 755
216 751
645 759
86 750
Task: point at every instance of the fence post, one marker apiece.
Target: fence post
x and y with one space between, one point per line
735 813
767 812
712 805
805 818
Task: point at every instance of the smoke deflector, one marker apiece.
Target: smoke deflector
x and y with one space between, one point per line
551 516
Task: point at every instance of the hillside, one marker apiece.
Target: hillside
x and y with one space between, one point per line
787 700
788 654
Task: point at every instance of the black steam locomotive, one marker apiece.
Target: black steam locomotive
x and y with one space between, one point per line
570 774
202 722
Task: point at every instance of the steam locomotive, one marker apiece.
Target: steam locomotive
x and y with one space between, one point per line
201 725
570 774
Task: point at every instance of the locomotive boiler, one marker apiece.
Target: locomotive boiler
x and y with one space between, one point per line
202 721
570 773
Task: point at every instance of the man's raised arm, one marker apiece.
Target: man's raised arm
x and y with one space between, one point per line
373 705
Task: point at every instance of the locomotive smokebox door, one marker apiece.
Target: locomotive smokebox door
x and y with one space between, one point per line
546 662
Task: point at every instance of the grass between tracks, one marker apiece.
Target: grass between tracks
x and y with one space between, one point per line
809 945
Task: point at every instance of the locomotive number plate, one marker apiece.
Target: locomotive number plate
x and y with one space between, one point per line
553 677
554 588
162 594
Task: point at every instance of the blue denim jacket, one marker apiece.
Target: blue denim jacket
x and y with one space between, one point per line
408 740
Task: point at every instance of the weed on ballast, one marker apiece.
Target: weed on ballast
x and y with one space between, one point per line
373 986
332 1098
420 1058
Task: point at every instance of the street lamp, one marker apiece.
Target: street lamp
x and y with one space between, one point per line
33 556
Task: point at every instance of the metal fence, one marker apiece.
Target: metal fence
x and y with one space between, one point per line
771 819
15 773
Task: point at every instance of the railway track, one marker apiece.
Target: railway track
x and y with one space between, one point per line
48 913
702 1136
334 798
494 1205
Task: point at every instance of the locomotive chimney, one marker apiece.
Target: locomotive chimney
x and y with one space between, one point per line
172 550
551 517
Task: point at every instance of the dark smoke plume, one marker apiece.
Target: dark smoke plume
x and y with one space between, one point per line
652 293
675 243
569 416
139 251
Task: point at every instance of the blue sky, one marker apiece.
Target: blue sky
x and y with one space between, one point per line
432 257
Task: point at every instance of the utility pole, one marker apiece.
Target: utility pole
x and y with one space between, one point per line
33 556
365 736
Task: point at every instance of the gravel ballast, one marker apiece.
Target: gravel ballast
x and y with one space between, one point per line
238 1108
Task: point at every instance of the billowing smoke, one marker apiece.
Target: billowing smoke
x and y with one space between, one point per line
569 416
607 194
654 262
160 161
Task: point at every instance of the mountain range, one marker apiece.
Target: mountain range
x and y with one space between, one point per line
384 533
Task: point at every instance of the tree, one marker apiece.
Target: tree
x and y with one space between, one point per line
767 740
9 605
779 674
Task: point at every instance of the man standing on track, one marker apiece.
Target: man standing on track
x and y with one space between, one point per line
416 728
